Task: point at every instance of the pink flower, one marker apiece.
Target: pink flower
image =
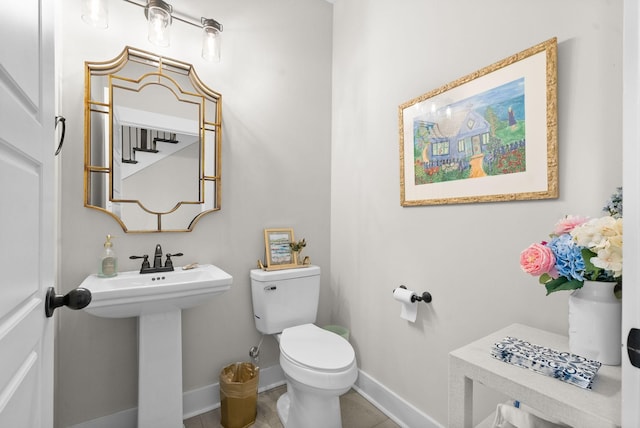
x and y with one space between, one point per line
538 259
567 224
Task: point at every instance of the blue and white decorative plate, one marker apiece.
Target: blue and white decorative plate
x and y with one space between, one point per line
567 367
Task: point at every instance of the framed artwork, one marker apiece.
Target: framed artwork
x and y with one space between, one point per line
488 136
277 245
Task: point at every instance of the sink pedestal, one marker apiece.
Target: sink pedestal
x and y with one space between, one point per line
160 370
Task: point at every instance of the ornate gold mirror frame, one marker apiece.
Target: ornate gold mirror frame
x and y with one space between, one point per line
152 133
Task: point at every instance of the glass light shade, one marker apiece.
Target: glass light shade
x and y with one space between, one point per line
159 24
95 13
211 41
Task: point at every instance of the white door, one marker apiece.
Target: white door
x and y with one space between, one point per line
26 212
631 191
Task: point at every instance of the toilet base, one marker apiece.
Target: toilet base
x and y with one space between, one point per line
309 410
282 405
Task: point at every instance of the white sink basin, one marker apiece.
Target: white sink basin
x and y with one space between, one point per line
131 294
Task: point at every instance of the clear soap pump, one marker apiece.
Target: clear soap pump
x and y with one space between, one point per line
108 262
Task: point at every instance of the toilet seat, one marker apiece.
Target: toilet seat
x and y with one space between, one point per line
316 348
317 357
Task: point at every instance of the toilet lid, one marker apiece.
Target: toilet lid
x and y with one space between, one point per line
316 348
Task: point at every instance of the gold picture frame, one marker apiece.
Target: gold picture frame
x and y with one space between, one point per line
278 249
470 140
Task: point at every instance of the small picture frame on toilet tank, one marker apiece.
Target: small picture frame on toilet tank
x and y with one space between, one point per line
278 250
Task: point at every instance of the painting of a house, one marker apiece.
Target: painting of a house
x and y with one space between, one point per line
476 137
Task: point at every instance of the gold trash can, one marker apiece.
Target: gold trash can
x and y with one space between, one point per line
239 395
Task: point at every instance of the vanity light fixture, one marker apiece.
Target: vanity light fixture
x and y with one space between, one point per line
211 39
160 16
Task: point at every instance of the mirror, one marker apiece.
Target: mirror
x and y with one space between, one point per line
152 142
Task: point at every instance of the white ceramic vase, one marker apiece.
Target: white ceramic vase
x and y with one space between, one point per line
595 318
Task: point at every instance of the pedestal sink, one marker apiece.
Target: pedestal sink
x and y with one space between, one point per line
157 299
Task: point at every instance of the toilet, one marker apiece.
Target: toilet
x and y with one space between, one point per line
319 365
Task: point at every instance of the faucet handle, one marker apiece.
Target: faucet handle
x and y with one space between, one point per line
169 262
145 262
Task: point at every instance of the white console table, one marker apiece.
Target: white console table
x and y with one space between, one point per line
570 404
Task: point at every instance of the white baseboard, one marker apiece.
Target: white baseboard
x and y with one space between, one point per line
390 403
194 402
207 398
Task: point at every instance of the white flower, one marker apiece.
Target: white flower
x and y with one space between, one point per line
609 259
603 236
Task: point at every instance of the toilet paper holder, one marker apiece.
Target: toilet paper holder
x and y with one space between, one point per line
425 297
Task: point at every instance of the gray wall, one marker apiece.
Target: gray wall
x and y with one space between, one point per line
387 52
275 80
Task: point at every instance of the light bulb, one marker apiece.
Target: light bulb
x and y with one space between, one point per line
211 41
95 13
159 23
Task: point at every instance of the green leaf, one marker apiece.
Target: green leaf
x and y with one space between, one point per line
617 290
544 278
562 283
592 270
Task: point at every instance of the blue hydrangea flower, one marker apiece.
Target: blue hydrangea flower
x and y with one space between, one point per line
569 261
614 204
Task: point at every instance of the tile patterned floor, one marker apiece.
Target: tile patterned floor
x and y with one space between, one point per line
356 413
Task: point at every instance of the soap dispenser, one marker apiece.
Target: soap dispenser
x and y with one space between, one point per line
108 262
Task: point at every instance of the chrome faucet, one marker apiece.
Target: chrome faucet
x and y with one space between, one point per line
157 261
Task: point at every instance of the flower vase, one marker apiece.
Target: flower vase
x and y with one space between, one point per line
595 318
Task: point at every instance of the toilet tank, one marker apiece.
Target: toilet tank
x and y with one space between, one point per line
284 298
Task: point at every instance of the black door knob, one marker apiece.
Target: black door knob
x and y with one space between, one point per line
75 299
633 347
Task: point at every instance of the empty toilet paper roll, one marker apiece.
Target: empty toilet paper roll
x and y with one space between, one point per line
409 309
